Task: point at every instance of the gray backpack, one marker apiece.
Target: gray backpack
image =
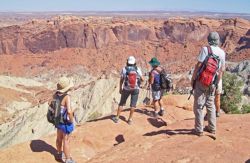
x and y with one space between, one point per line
54 115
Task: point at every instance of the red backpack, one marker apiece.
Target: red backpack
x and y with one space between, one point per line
209 68
131 77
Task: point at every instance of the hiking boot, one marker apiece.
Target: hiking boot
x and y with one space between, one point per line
217 114
115 119
130 121
161 112
198 133
207 129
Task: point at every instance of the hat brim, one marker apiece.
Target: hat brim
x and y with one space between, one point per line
71 85
154 63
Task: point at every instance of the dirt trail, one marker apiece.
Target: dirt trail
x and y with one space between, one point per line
166 139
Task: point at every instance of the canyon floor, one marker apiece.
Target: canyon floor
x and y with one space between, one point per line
166 139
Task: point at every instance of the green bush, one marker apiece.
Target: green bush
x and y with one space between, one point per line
245 109
232 96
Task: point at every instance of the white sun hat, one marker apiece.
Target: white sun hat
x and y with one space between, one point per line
131 60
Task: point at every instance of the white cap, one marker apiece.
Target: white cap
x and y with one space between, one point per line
131 60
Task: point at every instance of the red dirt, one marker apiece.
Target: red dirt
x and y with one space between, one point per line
147 140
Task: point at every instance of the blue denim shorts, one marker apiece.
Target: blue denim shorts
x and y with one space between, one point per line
66 128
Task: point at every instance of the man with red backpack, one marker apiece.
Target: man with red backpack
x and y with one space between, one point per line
207 74
131 77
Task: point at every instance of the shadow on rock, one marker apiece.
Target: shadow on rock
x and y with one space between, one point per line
145 111
123 118
119 139
110 117
42 146
157 122
171 132
102 118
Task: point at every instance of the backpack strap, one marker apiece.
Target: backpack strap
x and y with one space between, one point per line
209 50
61 97
158 70
126 68
134 68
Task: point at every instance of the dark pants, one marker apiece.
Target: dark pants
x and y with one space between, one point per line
134 97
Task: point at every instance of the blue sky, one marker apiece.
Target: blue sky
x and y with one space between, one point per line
239 6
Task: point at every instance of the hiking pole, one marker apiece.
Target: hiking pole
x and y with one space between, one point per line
192 91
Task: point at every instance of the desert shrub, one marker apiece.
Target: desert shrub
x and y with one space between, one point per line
232 95
245 109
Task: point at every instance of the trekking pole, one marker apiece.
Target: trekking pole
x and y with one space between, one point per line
192 91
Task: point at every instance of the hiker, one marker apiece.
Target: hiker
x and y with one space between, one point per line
207 74
155 82
65 129
131 77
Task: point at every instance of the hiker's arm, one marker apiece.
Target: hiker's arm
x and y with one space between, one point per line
220 74
197 66
142 79
151 78
69 109
120 85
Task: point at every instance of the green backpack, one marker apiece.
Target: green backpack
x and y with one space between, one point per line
54 115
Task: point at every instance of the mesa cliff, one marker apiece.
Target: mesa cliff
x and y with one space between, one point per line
92 51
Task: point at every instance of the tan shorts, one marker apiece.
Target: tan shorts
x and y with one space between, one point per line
219 89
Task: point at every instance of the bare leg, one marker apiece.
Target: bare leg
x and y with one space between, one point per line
119 111
161 112
132 110
217 102
59 140
160 103
155 105
66 145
